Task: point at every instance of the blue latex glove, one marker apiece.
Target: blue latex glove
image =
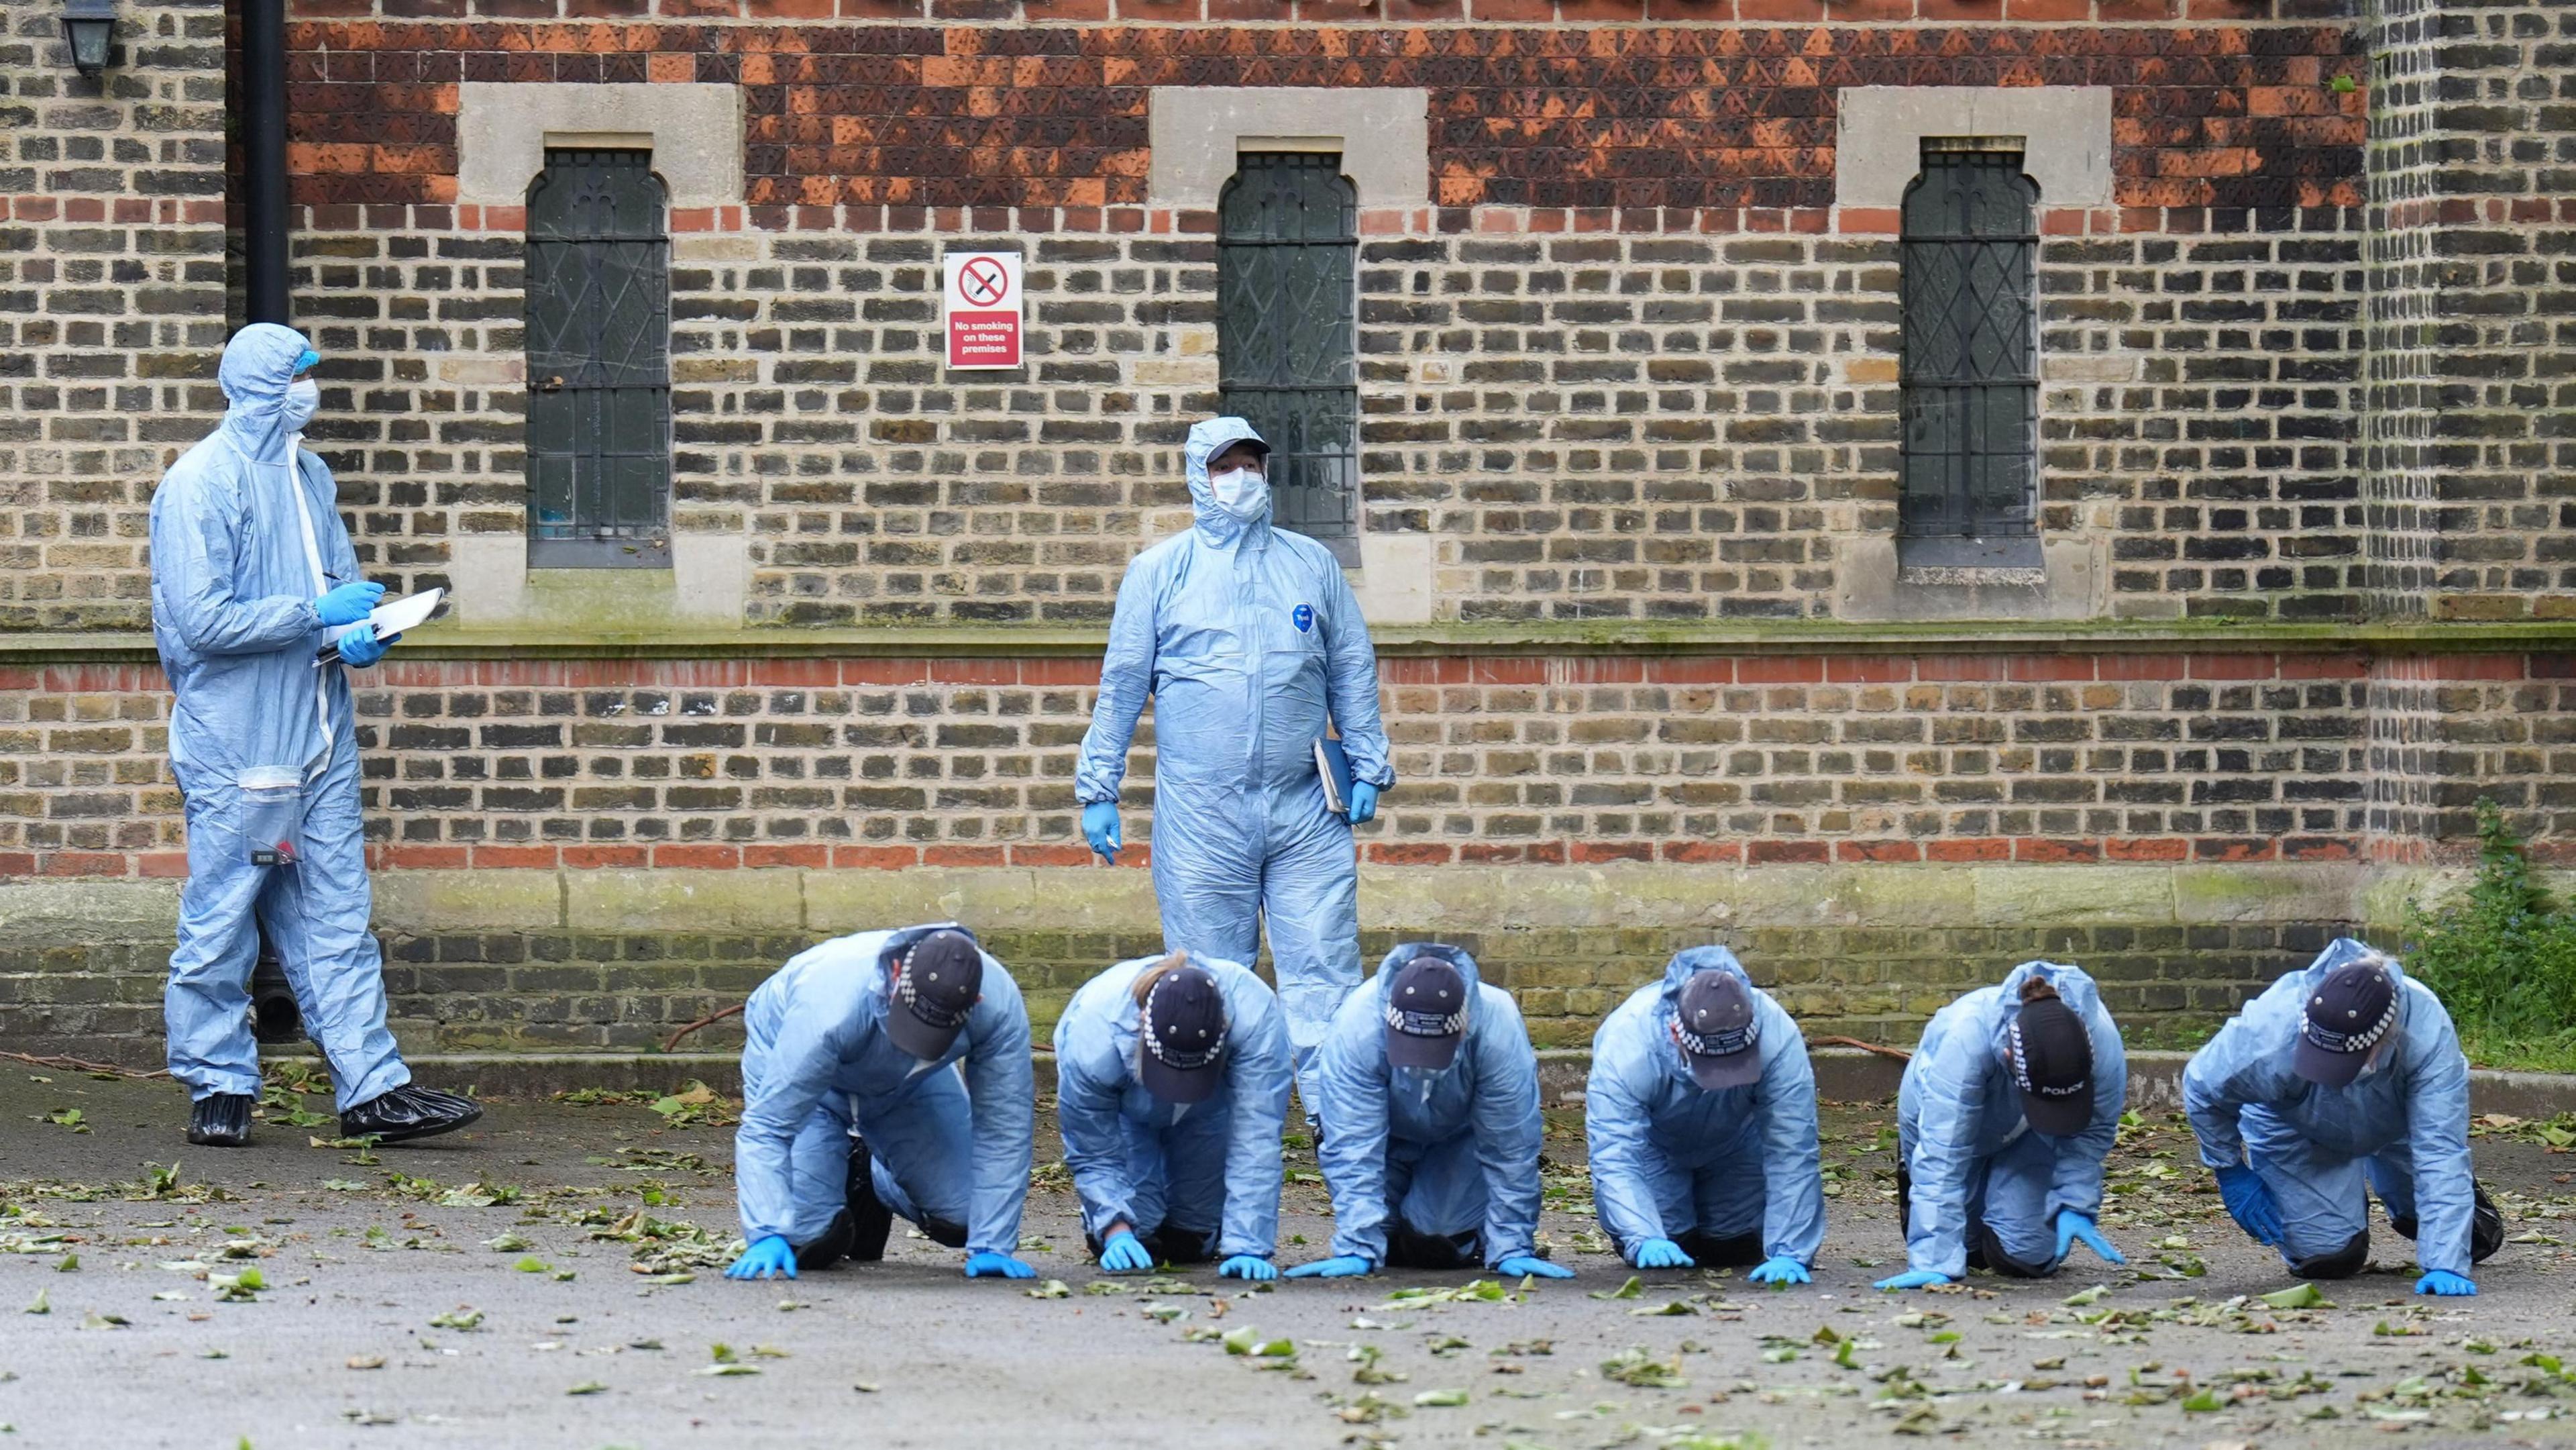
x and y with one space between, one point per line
1123 1255
2250 1203
1245 1266
1779 1269
1525 1266
1912 1279
1340 1266
997 1266
349 603
766 1259
2074 1228
1662 1254
2445 1283
1100 828
1363 801
360 648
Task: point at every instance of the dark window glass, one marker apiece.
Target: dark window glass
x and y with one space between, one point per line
1287 319
1970 383
599 363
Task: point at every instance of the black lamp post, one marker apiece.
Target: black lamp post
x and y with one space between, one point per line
88 26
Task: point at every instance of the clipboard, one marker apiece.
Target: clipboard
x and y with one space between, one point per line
392 618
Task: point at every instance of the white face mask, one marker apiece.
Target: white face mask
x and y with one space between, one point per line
1241 493
302 397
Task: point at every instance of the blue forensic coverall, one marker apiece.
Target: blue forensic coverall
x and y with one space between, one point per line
1452 1153
2400 1130
1670 1158
1969 1153
1249 641
1207 1167
948 1140
246 535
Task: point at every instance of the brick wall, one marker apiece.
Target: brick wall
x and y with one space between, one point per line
1634 365
1536 760
2473 241
111 298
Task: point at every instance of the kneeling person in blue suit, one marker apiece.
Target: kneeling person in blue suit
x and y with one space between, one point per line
2009 1107
1702 1117
886 1075
1172 1081
2344 1080
1431 1090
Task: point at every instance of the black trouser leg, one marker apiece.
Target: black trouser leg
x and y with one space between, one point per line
1409 1248
1736 1251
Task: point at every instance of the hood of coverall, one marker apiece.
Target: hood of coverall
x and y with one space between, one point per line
1687 963
1384 982
2073 987
1208 438
259 364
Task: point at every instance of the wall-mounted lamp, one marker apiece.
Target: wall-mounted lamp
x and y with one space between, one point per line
88 26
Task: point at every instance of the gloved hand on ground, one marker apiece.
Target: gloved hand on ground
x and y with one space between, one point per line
1911 1279
2074 1228
997 1266
1340 1266
1122 1254
2445 1283
1520 1266
1661 1254
1248 1267
769 1258
1779 1269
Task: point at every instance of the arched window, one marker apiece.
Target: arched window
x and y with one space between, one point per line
599 363
1287 333
1970 380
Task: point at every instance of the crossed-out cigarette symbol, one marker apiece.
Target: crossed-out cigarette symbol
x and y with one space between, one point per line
982 281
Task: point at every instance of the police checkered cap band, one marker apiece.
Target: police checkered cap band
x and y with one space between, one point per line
909 990
1426 1024
1717 1044
2360 1041
2021 1072
1174 1055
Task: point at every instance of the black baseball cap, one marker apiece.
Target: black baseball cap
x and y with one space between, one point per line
1715 1021
1183 1025
936 985
1426 1011
2052 1060
2347 1016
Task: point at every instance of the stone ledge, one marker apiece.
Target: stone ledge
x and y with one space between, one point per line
1460 899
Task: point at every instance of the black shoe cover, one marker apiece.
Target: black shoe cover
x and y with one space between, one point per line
220 1120
871 1222
408 1112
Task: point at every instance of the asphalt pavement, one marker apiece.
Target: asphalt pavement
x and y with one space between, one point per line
550 1278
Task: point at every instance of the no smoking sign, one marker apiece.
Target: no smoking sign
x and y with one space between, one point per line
981 306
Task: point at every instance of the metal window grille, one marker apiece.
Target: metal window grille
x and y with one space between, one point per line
599 370
1970 373
1287 333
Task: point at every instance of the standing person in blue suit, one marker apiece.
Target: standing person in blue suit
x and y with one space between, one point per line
253 576
1251 644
